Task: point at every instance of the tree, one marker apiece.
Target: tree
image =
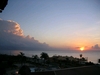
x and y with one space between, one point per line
3 4
24 70
83 59
44 55
98 60
35 58
22 57
22 54
81 55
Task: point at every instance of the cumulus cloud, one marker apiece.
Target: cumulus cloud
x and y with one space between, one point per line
96 46
10 27
12 38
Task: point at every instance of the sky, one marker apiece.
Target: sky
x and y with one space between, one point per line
50 25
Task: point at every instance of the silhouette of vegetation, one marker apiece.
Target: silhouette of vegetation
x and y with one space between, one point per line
10 61
2 71
35 58
3 4
44 55
22 57
24 70
98 60
80 55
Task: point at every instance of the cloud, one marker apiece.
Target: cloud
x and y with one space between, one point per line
96 47
81 47
10 27
12 38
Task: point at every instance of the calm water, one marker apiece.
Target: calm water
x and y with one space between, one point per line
92 56
32 69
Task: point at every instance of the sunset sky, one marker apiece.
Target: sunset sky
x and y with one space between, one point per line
50 25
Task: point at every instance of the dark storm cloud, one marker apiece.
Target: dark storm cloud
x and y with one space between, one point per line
12 38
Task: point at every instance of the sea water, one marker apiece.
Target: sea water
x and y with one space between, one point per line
92 56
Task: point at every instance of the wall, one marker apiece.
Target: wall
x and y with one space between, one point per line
90 70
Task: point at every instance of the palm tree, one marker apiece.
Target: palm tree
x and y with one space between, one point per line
23 58
81 55
22 54
35 58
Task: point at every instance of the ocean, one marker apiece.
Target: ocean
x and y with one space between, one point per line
92 56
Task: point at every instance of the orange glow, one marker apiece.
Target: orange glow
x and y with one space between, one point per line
82 48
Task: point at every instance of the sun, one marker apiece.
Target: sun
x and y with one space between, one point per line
81 48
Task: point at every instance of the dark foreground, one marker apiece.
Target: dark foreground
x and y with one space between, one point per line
89 70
